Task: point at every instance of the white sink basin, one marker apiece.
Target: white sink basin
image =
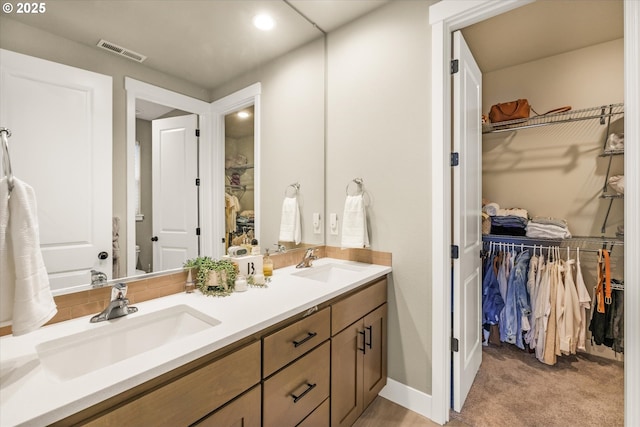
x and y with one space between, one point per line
75 355
330 272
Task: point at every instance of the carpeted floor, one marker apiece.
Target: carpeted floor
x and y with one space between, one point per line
514 389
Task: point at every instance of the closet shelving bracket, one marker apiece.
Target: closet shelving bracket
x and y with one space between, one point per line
601 113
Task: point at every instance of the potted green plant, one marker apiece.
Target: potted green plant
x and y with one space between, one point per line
213 277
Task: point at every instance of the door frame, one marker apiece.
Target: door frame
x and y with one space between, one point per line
446 17
140 90
242 98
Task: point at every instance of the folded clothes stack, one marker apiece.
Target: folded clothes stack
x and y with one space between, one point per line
510 225
548 228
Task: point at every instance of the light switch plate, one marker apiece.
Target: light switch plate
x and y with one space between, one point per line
333 224
317 225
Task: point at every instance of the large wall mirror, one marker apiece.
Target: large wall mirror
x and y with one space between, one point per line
206 51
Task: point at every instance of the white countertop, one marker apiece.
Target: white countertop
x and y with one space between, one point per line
29 396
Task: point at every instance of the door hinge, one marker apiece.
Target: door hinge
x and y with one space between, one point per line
198 132
454 66
455 159
198 231
455 252
455 344
197 182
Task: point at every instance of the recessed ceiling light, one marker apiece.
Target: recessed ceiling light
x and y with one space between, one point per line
243 114
264 22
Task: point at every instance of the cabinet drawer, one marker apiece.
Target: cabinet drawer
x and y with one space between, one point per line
244 411
318 418
295 340
356 306
191 397
293 393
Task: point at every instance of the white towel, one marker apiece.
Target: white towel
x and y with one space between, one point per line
24 285
290 221
354 223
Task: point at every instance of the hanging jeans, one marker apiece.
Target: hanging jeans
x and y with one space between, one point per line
517 306
492 302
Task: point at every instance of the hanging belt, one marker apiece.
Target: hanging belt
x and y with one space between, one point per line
604 280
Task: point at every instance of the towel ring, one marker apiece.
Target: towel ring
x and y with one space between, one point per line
4 136
359 187
295 186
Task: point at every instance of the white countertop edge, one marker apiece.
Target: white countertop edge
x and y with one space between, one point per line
40 413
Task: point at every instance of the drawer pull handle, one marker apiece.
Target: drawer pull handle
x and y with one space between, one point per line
370 343
364 342
309 388
305 339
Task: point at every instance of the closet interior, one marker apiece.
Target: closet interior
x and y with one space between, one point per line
553 201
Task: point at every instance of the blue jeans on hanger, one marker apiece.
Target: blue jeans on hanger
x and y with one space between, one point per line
492 302
517 304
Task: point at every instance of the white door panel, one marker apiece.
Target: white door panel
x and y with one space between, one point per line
467 221
60 118
174 191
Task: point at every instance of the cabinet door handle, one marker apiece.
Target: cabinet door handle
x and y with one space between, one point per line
370 343
309 388
364 342
305 339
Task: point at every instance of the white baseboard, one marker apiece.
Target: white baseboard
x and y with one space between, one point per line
412 399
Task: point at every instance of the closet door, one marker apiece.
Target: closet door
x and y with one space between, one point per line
467 221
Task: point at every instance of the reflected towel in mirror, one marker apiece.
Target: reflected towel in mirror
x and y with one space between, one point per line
290 221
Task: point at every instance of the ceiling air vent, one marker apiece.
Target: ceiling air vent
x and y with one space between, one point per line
119 50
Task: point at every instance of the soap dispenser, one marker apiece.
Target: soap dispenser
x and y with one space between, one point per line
267 264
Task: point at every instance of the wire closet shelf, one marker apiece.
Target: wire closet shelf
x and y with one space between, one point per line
601 112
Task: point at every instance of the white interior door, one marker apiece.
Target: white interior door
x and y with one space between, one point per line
60 118
174 191
467 220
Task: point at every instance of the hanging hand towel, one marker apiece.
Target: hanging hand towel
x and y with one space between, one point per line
354 223
26 296
290 221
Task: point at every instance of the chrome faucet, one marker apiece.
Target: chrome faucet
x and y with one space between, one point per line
118 307
308 258
98 278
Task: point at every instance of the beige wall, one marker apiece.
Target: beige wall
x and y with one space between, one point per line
378 129
28 40
555 171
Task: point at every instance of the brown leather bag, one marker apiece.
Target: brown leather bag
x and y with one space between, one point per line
513 110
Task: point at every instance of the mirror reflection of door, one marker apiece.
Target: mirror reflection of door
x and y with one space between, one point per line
167 201
239 177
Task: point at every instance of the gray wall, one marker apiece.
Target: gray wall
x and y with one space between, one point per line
378 129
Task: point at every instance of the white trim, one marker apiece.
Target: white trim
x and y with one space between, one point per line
415 400
446 17
632 212
220 108
139 90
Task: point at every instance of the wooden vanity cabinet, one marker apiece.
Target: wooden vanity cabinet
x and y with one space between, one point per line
190 397
296 371
244 411
358 352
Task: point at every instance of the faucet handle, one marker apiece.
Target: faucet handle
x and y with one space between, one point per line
119 291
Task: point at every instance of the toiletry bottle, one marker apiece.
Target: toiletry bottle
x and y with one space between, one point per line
240 283
189 285
255 249
267 264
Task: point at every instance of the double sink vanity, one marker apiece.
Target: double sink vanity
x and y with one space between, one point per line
309 349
